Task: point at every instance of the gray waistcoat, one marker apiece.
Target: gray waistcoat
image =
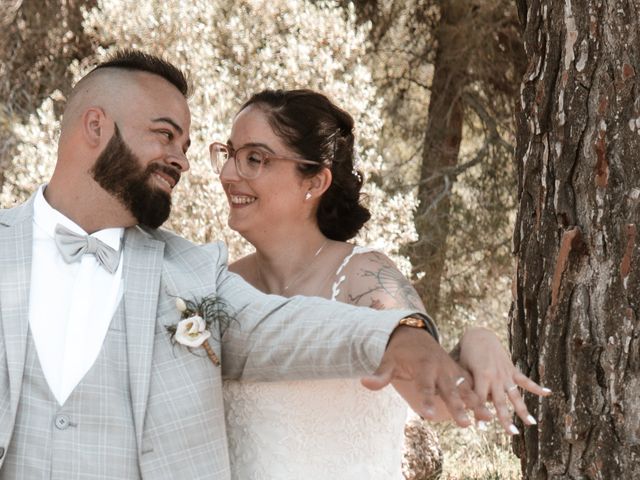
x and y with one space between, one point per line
81 439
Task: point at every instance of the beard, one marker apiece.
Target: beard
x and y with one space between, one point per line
119 171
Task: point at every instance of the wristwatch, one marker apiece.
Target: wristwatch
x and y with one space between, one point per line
414 322
425 323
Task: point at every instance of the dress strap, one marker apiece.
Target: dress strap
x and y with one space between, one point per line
340 277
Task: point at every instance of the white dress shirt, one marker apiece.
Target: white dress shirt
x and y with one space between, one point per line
70 304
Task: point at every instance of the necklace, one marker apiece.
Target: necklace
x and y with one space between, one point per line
299 274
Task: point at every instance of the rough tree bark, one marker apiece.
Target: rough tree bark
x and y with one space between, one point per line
574 321
441 148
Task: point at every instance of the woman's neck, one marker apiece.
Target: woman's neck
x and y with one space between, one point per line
285 262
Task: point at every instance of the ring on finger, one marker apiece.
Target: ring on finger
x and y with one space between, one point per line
460 381
511 388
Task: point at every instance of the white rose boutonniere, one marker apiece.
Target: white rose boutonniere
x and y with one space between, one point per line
194 330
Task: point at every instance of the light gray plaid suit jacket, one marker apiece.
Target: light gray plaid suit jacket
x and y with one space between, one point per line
176 394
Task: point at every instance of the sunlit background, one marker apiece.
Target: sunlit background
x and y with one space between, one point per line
377 60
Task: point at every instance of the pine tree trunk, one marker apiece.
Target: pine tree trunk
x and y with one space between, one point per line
574 322
441 148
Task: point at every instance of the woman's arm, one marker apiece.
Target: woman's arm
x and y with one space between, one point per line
373 280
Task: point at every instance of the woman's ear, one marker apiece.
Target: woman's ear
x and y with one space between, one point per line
318 184
93 126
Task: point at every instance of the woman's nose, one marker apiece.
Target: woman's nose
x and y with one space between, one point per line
229 172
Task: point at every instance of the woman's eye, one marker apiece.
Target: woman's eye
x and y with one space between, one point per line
255 158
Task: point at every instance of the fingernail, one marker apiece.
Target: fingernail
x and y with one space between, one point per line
465 418
531 420
546 390
513 430
481 425
428 413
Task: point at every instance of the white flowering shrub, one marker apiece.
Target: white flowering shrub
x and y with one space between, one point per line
231 49
37 144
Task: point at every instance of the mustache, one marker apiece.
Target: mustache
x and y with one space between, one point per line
158 167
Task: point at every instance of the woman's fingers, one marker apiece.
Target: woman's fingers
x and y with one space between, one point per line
527 384
499 398
502 393
519 406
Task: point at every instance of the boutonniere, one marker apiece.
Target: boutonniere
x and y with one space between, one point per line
194 328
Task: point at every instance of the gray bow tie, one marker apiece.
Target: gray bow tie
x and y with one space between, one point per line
73 246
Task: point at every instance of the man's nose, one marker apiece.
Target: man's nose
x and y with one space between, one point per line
179 160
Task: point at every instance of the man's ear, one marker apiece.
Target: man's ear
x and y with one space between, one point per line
319 183
94 123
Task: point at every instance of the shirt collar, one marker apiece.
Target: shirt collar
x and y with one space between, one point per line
47 217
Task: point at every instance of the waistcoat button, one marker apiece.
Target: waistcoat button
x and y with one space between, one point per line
62 422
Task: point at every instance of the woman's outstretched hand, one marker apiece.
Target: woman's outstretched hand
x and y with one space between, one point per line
495 378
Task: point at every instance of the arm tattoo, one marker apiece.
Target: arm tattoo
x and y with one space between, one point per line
376 304
390 281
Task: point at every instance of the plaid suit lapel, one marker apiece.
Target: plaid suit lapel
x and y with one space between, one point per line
143 257
16 238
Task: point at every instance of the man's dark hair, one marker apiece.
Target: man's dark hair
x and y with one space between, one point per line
129 59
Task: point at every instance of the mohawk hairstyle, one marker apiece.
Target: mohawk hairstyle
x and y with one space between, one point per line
130 59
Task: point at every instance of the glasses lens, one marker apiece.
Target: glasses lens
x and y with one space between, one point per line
249 162
219 156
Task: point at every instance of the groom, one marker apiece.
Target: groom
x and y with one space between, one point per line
91 383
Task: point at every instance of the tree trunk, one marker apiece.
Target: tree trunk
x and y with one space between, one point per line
574 321
441 148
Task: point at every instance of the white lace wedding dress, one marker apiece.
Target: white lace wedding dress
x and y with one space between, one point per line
314 430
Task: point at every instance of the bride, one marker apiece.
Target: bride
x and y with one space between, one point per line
288 173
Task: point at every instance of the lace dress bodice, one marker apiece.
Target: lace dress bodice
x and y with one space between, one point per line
314 430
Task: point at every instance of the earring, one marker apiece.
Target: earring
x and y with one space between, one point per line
307 195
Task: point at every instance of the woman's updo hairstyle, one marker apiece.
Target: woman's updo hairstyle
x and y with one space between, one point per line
316 129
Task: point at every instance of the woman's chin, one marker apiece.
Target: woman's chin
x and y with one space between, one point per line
236 224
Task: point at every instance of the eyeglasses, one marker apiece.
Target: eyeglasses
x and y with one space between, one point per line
249 160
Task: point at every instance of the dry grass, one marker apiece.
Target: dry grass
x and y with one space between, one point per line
473 455
470 454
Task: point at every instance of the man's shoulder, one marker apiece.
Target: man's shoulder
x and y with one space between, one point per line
177 246
16 213
170 238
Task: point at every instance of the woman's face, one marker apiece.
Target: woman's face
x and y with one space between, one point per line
276 197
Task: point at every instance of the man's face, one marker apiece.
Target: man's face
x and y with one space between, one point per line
143 160
120 172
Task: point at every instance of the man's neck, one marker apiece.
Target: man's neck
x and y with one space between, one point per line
89 206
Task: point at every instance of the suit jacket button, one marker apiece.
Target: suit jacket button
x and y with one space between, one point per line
1 452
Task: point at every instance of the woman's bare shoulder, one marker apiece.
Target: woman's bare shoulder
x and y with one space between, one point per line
373 280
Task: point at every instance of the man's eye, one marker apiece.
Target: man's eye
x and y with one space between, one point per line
167 133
